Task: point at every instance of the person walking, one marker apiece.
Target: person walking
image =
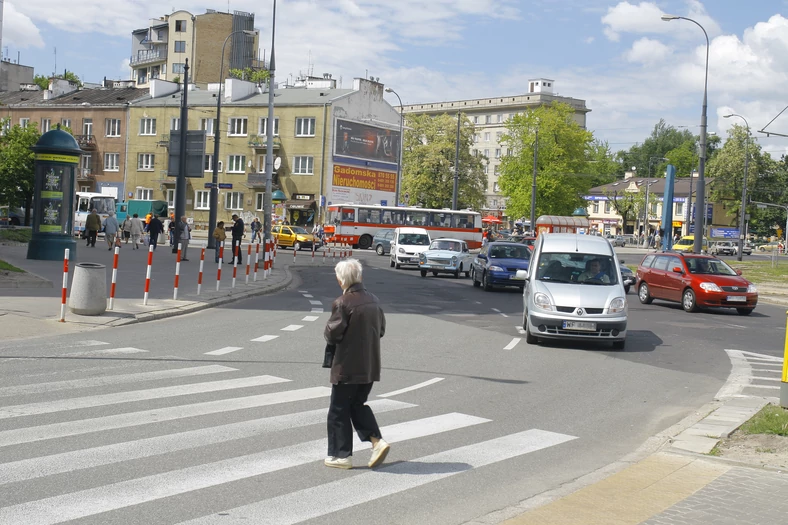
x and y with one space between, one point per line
171 228
155 228
111 228
238 234
186 234
125 228
220 235
355 327
92 226
256 227
136 230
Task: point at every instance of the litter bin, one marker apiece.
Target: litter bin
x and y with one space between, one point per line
89 289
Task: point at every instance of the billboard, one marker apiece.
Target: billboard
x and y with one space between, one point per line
361 141
361 185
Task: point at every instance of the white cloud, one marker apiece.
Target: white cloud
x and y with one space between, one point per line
19 29
589 40
647 51
645 18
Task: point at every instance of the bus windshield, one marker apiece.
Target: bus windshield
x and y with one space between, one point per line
102 204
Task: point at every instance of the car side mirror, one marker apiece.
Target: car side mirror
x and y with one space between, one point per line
677 269
738 271
522 275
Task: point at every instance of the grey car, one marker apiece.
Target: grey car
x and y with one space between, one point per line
618 241
381 243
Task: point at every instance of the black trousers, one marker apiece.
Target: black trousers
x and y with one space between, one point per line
92 234
348 406
237 243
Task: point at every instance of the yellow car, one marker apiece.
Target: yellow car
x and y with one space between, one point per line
294 236
687 243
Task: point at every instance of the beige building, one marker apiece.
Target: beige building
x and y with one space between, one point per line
160 50
489 116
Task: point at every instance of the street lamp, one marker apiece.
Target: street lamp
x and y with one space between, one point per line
215 178
533 181
401 140
268 204
742 221
701 198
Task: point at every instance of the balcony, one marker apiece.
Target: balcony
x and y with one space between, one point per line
86 141
148 56
84 174
260 143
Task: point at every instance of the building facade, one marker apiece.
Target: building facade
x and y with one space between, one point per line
13 76
489 116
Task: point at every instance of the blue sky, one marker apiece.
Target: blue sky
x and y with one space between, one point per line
630 67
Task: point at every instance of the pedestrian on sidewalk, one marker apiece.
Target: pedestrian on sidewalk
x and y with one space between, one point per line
256 227
92 226
125 228
186 234
354 368
238 234
155 228
136 230
111 228
171 228
220 236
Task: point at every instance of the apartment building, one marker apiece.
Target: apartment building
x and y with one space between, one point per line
489 116
160 50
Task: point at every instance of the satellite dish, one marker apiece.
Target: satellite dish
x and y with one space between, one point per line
277 163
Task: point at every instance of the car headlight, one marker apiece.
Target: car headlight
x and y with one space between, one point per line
752 289
542 300
454 259
710 287
494 268
617 305
400 250
422 256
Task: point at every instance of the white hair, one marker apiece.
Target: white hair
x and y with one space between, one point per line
348 272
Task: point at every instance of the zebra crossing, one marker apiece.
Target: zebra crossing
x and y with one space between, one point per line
753 375
122 447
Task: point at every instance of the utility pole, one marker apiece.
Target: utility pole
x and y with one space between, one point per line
533 183
455 192
180 185
269 143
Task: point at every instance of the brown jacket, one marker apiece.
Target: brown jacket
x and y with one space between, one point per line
219 234
356 325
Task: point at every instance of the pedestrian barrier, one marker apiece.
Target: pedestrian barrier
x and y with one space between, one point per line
256 261
235 265
65 287
266 258
114 278
199 275
177 273
219 271
324 255
248 261
313 253
147 276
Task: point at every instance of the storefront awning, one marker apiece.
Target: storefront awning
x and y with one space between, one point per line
299 204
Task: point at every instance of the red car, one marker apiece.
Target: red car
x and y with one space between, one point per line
695 281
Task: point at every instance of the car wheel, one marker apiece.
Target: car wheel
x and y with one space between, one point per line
379 250
397 266
626 289
391 263
15 221
297 247
620 344
530 338
745 311
457 272
476 283
486 283
467 274
423 273
762 249
688 301
644 295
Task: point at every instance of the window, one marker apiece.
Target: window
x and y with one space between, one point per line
498 136
496 170
112 127
111 161
607 206
202 200
679 208
233 200
145 194
180 46
496 187
476 138
595 207
207 163
175 124
66 123
171 198
180 26
305 127
475 152
147 126
476 120
206 124
84 189
303 165
86 162
487 137
24 122
142 76
653 206
486 169
497 153
6 126
263 127
87 126
236 163
500 118
45 124
487 153
488 119
178 67
146 161
237 127
259 200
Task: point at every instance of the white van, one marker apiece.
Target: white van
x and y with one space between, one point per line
406 246
573 290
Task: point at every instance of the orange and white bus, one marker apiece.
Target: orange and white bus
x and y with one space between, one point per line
358 223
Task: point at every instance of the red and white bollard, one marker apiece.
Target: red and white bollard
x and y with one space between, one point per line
256 262
235 264
199 275
147 276
248 261
65 287
350 249
273 255
177 273
221 260
267 258
114 278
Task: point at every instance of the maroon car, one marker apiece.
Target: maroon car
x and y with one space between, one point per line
695 281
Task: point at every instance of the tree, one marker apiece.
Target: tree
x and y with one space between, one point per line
428 160
569 162
43 80
258 76
17 170
664 139
629 204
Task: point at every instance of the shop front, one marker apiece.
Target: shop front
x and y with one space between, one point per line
301 210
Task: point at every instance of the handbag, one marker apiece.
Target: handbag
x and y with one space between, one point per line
328 357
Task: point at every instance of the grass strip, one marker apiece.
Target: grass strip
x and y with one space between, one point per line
770 420
4 266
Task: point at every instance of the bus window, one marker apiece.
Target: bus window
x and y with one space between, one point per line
333 216
441 220
418 218
83 204
363 215
397 217
375 217
103 205
348 215
463 221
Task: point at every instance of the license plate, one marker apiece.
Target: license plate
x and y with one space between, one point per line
414 259
580 325
737 299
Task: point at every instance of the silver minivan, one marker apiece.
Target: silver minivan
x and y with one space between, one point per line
573 291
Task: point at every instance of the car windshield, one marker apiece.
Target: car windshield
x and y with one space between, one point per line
298 229
413 239
708 266
580 268
509 251
451 246
685 242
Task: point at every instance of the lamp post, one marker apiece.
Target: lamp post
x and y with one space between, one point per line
742 213
215 176
269 134
701 198
401 141
533 182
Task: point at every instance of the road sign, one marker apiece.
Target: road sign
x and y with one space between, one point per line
209 185
225 186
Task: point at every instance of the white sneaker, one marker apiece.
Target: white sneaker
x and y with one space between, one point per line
379 453
345 463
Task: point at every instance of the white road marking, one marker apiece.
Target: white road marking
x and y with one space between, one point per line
113 380
317 310
767 378
62 405
105 455
292 327
90 342
156 415
761 357
225 350
90 502
347 492
768 387
265 338
108 351
414 387
477 302
317 303
511 345
311 318
308 296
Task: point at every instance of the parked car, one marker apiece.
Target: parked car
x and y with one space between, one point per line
294 236
771 246
618 241
497 264
695 281
627 277
723 248
11 216
381 242
573 291
406 246
747 250
687 244
446 256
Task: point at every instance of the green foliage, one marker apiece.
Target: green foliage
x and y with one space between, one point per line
664 139
16 234
43 80
569 162
4 266
17 173
258 76
770 420
628 204
428 159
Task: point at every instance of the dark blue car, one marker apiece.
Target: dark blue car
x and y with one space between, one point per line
497 264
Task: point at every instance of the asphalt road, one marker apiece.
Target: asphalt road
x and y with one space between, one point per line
218 416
